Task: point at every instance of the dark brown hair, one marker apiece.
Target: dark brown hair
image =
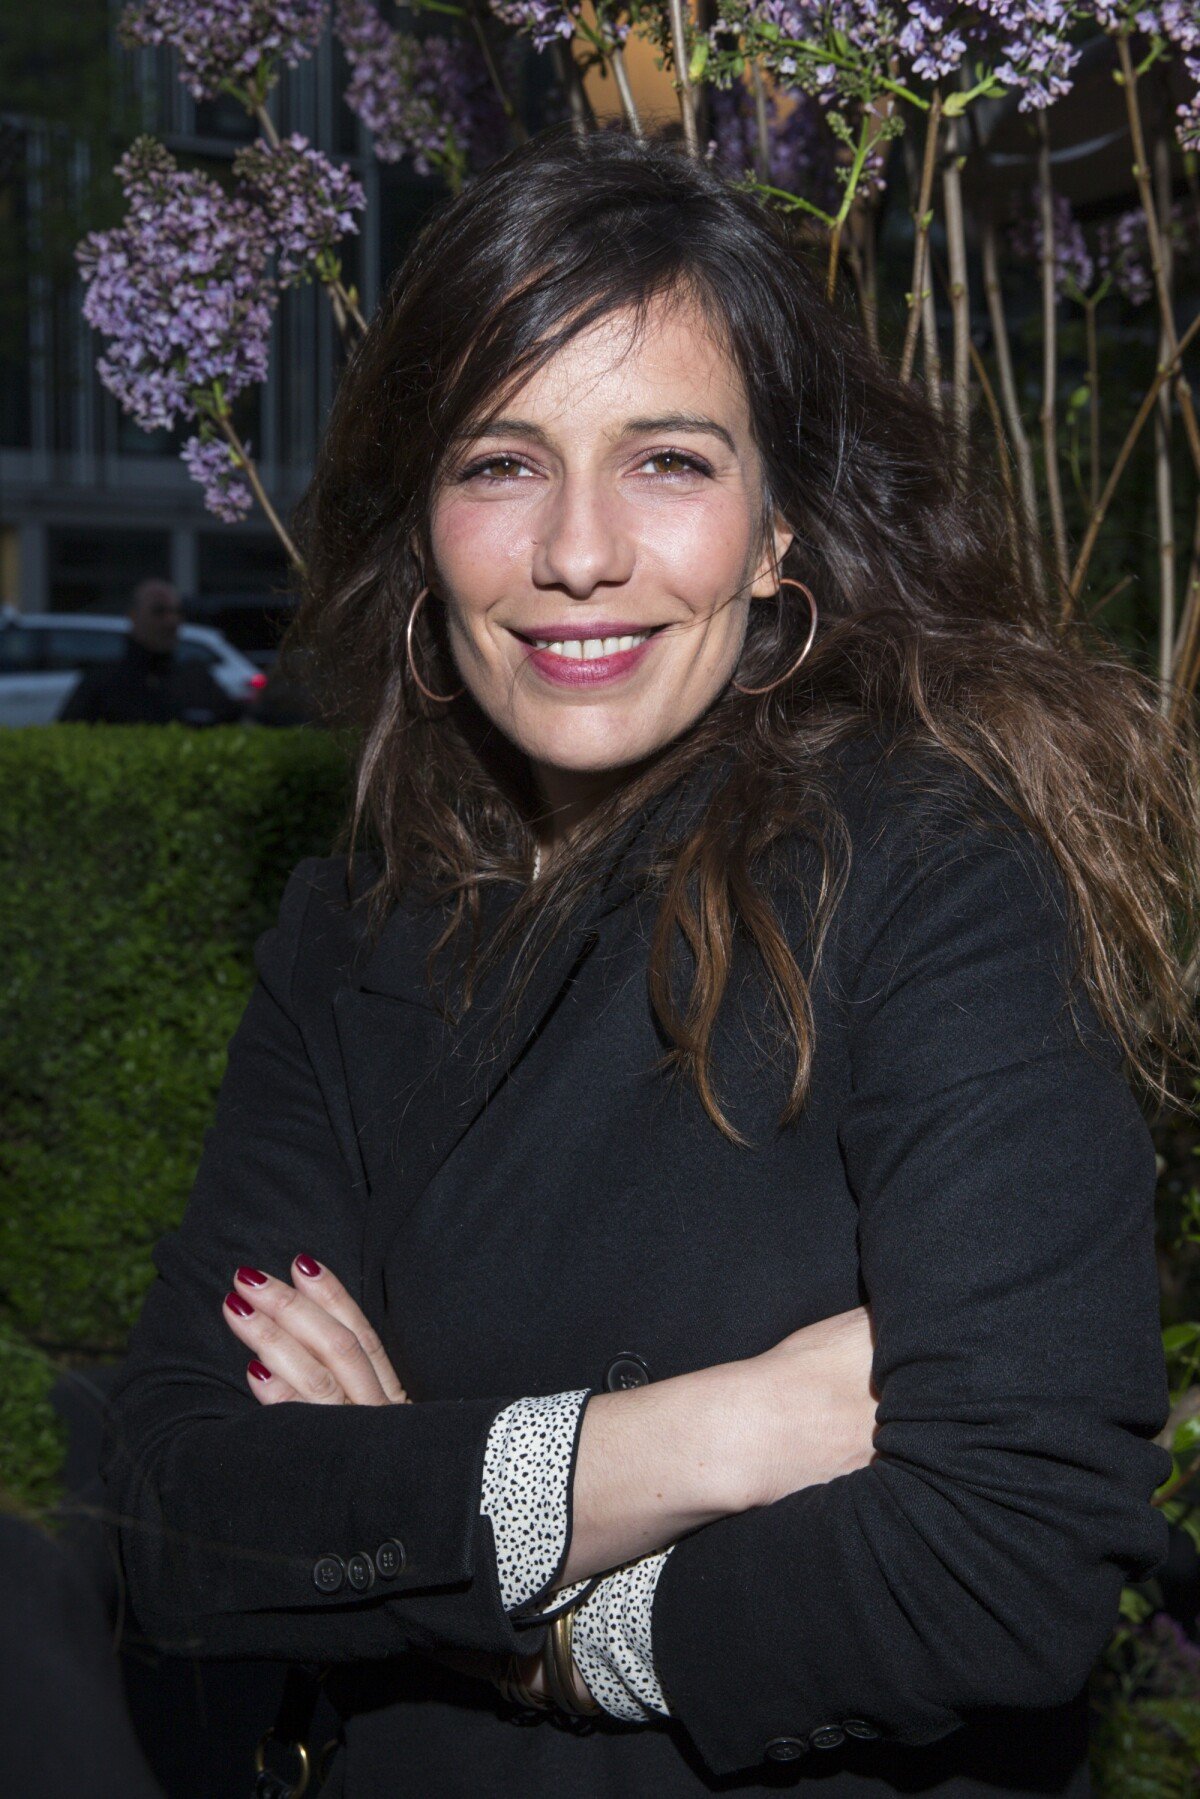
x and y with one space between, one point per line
932 632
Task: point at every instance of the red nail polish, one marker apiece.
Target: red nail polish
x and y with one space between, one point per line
258 1371
307 1266
238 1305
251 1277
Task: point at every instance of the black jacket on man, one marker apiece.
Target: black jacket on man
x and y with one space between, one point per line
517 1220
148 687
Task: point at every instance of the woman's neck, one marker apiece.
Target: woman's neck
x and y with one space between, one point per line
569 797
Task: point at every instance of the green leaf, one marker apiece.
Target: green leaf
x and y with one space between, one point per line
1178 1337
1186 1440
699 60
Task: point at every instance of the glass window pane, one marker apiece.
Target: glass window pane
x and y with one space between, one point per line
77 647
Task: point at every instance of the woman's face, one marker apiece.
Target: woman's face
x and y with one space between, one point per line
595 547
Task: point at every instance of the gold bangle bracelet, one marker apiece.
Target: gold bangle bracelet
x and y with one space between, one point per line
560 1667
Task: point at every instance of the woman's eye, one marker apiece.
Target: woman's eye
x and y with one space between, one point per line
684 464
490 462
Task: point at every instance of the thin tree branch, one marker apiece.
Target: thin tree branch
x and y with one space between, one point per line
1164 373
762 134
683 81
1141 175
959 294
1049 414
625 92
250 468
1164 494
502 94
1027 485
921 221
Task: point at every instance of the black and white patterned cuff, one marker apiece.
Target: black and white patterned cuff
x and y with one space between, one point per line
528 1473
611 1641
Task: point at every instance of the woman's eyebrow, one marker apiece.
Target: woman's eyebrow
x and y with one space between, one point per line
666 421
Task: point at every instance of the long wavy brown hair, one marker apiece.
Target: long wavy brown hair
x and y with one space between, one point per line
932 631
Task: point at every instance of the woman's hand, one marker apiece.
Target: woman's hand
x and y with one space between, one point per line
309 1342
816 1406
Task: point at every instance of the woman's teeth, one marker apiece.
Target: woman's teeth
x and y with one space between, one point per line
586 649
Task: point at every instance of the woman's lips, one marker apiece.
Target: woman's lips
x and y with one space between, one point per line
575 669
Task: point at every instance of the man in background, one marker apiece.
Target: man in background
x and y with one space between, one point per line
150 685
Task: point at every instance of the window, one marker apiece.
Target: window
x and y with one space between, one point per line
18 650
75 646
188 650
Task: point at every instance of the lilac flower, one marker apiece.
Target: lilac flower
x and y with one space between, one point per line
180 290
309 202
429 99
1123 254
211 462
227 43
542 20
801 151
1124 251
1074 265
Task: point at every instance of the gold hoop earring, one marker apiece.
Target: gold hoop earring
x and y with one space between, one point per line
812 631
442 699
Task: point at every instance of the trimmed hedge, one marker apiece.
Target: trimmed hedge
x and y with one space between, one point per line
141 864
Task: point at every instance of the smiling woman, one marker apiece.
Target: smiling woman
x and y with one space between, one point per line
673 1259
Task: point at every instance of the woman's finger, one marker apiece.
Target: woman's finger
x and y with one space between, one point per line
295 1339
321 1284
268 1388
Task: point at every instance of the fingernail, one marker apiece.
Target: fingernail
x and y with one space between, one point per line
307 1266
258 1371
251 1277
240 1306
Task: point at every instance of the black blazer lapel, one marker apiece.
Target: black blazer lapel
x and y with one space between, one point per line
416 1083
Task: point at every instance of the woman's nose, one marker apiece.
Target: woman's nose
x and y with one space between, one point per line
583 540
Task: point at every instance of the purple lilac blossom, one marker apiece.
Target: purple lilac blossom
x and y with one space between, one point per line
226 43
429 99
309 202
801 158
180 290
1123 250
542 20
210 461
1074 265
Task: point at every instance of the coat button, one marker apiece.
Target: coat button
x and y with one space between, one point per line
858 1727
360 1572
328 1573
785 1749
626 1370
390 1558
829 1736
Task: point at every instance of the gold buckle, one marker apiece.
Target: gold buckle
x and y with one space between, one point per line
260 1762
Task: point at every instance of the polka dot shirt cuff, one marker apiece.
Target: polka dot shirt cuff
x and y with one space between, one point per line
528 1473
612 1642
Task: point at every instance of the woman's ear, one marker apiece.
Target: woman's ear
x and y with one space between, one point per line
766 578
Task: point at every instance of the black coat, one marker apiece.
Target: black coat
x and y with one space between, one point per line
148 687
515 1221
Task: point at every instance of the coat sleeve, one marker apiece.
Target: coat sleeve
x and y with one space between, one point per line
293 1531
1004 1178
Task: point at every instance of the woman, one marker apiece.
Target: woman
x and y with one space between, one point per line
727 1033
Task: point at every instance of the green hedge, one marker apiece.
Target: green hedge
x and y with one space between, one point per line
140 864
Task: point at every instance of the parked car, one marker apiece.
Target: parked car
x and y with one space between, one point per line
42 656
